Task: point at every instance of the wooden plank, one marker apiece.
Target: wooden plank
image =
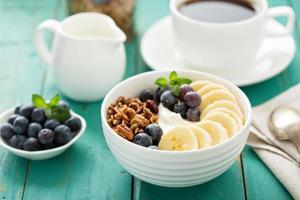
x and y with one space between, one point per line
87 170
19 77
147 13
259 180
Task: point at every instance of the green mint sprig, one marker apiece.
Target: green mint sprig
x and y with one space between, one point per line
53 111
175 82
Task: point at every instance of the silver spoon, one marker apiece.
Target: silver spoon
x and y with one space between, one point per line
284 123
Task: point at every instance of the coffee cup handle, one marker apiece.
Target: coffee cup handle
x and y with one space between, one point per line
282 11
40 44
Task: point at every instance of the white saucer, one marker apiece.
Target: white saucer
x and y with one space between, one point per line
158 52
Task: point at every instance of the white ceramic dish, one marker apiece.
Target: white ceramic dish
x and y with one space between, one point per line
39 155
170 168
276 54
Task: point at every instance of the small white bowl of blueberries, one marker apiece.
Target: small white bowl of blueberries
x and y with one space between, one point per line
40 130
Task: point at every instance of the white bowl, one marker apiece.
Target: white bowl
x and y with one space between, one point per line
173 168
44 154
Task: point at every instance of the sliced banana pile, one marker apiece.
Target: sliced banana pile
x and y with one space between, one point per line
221 117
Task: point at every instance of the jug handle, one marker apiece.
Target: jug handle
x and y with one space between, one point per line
40 44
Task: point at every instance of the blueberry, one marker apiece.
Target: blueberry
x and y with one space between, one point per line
181 108
63 104
26 111
168 99
38 115
192 99
146 94
33 129
193 114
153 147
155 132
159 92
52 145
63 135
20 125
45 136
51 124
17 141
6 130
74 123
17 110
31 144
185 88
142 139
11 119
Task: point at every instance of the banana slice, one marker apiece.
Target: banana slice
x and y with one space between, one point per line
232 114
215 129
216 95
197 85
179 138
225 120
210 87
223 104
203 137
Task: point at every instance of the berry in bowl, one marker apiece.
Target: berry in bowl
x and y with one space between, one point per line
41 130
176 129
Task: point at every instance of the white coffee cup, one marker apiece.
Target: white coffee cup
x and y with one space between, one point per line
219 46
87 56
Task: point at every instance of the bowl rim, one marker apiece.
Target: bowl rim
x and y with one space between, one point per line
4 144
246 124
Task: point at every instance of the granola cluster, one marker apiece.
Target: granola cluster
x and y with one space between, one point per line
130 116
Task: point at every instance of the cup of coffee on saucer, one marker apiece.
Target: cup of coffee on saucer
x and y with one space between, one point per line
219 34
229 38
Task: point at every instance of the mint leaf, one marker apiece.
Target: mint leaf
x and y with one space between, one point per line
175 90
182 81
161 82
59 113
38 101
54 101
173 75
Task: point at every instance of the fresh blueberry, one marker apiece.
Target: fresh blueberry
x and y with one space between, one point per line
193 114
26 111
17 141
63 104
11 119
192 99
181 108
52 145
153 147
51 124
146 94
6 130
155 132
74 123
31 144
63 135
33 129
142 139
168 99
185 88
17 110
45 136
38 115
159 92
20 125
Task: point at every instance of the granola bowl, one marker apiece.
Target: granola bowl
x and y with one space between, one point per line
174 168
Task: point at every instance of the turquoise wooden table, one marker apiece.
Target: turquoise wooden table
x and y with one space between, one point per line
88 170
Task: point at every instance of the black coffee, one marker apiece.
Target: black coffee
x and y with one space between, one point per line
217 11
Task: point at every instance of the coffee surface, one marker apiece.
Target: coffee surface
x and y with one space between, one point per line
217 11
